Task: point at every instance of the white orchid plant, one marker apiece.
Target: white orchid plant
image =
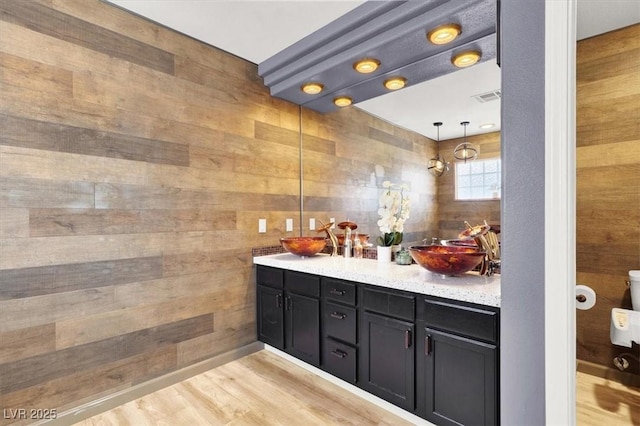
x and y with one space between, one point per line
394 211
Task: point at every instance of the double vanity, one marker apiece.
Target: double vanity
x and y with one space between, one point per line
425 343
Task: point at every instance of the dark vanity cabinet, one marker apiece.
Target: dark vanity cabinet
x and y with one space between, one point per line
387 346
457 368
339 325
302 316
288 314
270 306
436 358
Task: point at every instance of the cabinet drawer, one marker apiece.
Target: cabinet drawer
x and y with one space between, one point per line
340 322
271 277
339 291
340 360
471 321
297 282
394 304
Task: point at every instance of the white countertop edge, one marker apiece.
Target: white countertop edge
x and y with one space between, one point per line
469 287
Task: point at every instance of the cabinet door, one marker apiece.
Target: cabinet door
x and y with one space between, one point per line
270 316
460 383
387 359
302 318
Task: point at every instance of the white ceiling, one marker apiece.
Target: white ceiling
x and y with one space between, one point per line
255 30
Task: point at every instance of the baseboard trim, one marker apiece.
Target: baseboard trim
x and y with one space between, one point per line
118 398
351 388
598 370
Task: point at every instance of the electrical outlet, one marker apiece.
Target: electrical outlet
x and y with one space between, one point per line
333 220
312 224
289 225
262 226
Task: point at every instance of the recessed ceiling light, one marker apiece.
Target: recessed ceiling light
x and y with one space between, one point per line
367 65
487 126
395 83
343 101
466 59
444 33
312 88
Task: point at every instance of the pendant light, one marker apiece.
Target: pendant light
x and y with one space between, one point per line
437 166
465 151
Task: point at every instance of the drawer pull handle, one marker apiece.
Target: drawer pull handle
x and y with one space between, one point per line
339 353
278 301
338 315
337 292
407 339
427 345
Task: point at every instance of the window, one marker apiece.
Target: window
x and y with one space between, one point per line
478 180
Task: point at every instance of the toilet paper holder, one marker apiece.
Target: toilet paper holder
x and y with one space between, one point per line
585 297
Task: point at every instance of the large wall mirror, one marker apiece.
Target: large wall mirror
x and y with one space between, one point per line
347 156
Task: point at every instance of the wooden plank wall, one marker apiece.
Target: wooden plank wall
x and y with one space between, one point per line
608 183
134 165
453 213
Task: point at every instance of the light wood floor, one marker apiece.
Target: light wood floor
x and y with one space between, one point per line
603 402
259 389
264 389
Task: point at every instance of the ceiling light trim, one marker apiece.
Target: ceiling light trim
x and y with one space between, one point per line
358 28
322 39
366 65
312 88
444 34
342 101
466 58
400 42
397 47
433 67
395 83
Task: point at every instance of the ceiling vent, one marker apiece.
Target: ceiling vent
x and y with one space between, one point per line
493 95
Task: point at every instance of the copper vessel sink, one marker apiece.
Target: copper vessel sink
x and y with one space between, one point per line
303 246
447 260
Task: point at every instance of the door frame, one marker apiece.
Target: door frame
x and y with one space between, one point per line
537 324
560 211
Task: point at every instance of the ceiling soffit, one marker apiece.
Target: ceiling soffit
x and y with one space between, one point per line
394 32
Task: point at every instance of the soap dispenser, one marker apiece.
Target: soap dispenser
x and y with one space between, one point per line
357 247
348 244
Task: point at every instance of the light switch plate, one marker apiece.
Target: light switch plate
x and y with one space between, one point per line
262 226
312 224
289 225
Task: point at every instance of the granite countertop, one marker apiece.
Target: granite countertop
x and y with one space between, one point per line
469 287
